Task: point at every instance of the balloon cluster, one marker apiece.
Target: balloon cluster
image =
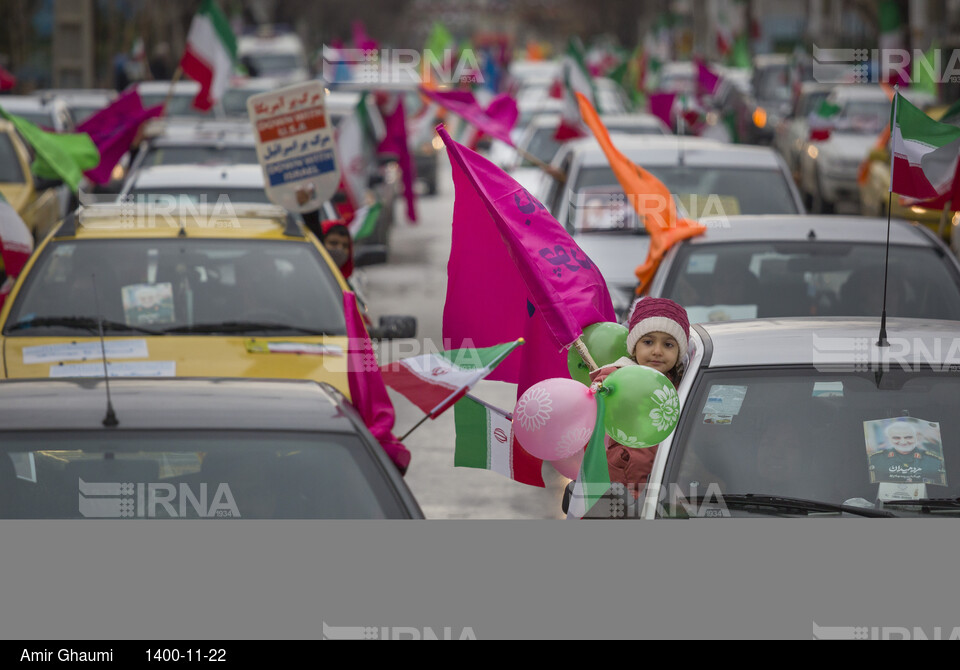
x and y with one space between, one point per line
554 419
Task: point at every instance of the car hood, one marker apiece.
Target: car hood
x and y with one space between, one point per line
321 359
616 255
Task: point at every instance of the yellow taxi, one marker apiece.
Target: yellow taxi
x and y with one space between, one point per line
184 291
36 203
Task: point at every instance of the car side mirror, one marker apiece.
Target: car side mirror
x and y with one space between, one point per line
395 327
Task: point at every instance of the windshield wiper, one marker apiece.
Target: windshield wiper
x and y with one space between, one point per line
81 322
783 503
926 503
242 327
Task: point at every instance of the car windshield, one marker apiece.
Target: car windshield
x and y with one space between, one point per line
212 474
10 171
772 84
810 102
199 154
178 285
235 100
175 196
718 282
837 437
708 191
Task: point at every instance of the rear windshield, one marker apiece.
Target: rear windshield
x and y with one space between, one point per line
192 475
718 282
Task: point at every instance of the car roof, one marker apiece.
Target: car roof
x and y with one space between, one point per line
166 176
239 221
665 150
172 404
860 92
181 87
833 343
206 134
11 103
798 227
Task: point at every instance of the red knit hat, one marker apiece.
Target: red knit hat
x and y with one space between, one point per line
659 315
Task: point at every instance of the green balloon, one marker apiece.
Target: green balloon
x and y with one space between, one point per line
606 342
642 406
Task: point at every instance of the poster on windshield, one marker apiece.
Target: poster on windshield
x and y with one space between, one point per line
295 146
905 450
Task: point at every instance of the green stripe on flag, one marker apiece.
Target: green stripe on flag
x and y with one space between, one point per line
593 482
221 26
914 124
470 419
368 223
826 109
478 359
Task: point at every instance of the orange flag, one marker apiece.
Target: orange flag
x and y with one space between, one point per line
648 195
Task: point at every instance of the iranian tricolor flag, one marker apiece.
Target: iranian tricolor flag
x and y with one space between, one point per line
485 441
356 138
364 221
593 481
16 245
434 382
209 55
924 152
576 79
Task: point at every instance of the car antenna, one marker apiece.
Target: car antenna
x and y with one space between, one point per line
882 341
681 129
110 420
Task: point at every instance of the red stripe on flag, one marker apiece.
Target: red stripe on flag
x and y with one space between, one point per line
201 72
527 469
910 180
423 393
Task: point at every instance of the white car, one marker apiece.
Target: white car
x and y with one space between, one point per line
274 55
793 133
830 163
705 177
196 184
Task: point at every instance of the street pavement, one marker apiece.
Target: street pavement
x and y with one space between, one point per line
414 282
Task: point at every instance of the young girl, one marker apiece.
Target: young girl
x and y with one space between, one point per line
659 338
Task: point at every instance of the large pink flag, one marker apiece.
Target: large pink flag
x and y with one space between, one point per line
367 390
514 271
496 121
113 129
395 142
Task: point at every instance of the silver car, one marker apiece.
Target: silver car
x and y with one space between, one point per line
810 417
776 266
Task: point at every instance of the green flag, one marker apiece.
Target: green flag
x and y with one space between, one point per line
438 40
59 155
925 72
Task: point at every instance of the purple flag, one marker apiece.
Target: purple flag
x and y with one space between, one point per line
496 121
395 142
707 80
368 392
661 106
514 271
113 129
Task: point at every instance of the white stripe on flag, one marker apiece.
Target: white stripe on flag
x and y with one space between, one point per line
499 452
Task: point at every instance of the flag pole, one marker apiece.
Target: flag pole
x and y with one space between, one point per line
882 340
584 354
549 169
173 82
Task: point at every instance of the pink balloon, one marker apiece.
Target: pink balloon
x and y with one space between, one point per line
554 418
569 467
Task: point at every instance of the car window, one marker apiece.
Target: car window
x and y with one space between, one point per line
171 284
706 191
210 474
272 64
41 118
863 116
818 434
718 282
10 170
178 105
198 154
